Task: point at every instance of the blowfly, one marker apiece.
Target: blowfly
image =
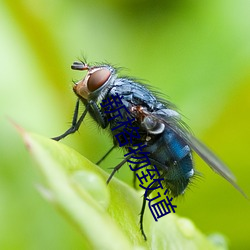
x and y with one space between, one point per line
162 133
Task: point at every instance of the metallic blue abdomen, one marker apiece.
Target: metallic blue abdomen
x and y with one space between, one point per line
173 159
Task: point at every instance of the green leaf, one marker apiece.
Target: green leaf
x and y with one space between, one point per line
106 215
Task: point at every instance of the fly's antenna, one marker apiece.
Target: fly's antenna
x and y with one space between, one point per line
80 66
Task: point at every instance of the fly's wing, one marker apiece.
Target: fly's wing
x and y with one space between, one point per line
174 123
212 160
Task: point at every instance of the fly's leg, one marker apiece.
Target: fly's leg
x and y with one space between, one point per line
134 180
105 155
141 217
117 168
93 109
75 124
101 119
98 114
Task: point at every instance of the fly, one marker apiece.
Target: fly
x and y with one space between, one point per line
162 132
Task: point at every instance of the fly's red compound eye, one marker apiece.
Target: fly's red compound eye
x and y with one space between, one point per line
97 79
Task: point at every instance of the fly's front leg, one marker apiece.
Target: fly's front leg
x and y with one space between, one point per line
75 124
97 114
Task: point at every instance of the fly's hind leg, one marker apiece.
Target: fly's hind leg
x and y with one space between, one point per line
141 217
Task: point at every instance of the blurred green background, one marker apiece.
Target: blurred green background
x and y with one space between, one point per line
196 52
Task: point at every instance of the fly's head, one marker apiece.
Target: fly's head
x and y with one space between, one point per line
95 81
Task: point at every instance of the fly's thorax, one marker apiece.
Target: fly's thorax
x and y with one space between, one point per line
94 84
152 125
153 122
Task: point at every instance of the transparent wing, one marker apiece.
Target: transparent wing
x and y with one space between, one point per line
175 124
